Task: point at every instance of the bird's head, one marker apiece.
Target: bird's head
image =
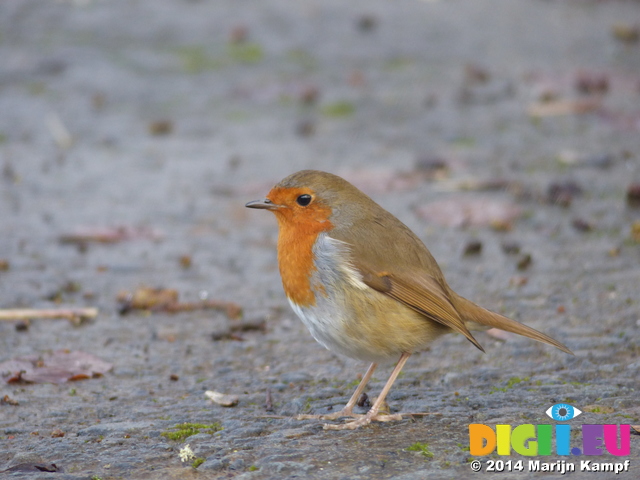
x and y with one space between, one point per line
311 201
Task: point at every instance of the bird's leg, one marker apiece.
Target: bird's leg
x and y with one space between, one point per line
347 411
372 414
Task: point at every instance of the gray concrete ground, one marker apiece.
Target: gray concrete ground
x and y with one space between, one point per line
172 114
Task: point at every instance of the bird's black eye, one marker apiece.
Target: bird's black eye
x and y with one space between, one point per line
303 200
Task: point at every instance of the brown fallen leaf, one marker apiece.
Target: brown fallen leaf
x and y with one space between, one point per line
473 247
518 281
384 179
160 127
7 400
633 195
110 235
58 367
146 298
560 107
635 231
469 211
222 398
185 261
167 300
380 179
485 185
591 83
524 261
614 252
226 335
231 333
625 32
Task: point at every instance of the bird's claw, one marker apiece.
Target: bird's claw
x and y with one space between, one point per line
362 421
329 416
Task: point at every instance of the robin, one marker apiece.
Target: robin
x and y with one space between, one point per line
363 283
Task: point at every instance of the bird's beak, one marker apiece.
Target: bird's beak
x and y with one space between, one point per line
265 204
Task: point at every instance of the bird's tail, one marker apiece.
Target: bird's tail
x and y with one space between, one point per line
470 312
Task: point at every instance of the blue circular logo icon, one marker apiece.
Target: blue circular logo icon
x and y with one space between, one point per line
561 412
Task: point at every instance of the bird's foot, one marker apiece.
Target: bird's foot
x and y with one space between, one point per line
330 416
363 420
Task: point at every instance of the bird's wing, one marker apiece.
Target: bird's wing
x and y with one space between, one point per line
420 292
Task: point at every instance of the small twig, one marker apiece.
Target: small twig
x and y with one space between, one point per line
74 315
269 401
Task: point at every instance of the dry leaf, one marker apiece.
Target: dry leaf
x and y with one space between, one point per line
110 235
633 195
145 298
380 179
58 367
635 231
161 127
7 400
468 211
166 300
625 32
231 333
556 108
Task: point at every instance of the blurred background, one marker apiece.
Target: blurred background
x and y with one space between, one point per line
170 113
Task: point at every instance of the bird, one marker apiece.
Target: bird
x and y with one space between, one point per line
364 284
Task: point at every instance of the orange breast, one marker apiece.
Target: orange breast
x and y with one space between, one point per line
298 233
295 260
